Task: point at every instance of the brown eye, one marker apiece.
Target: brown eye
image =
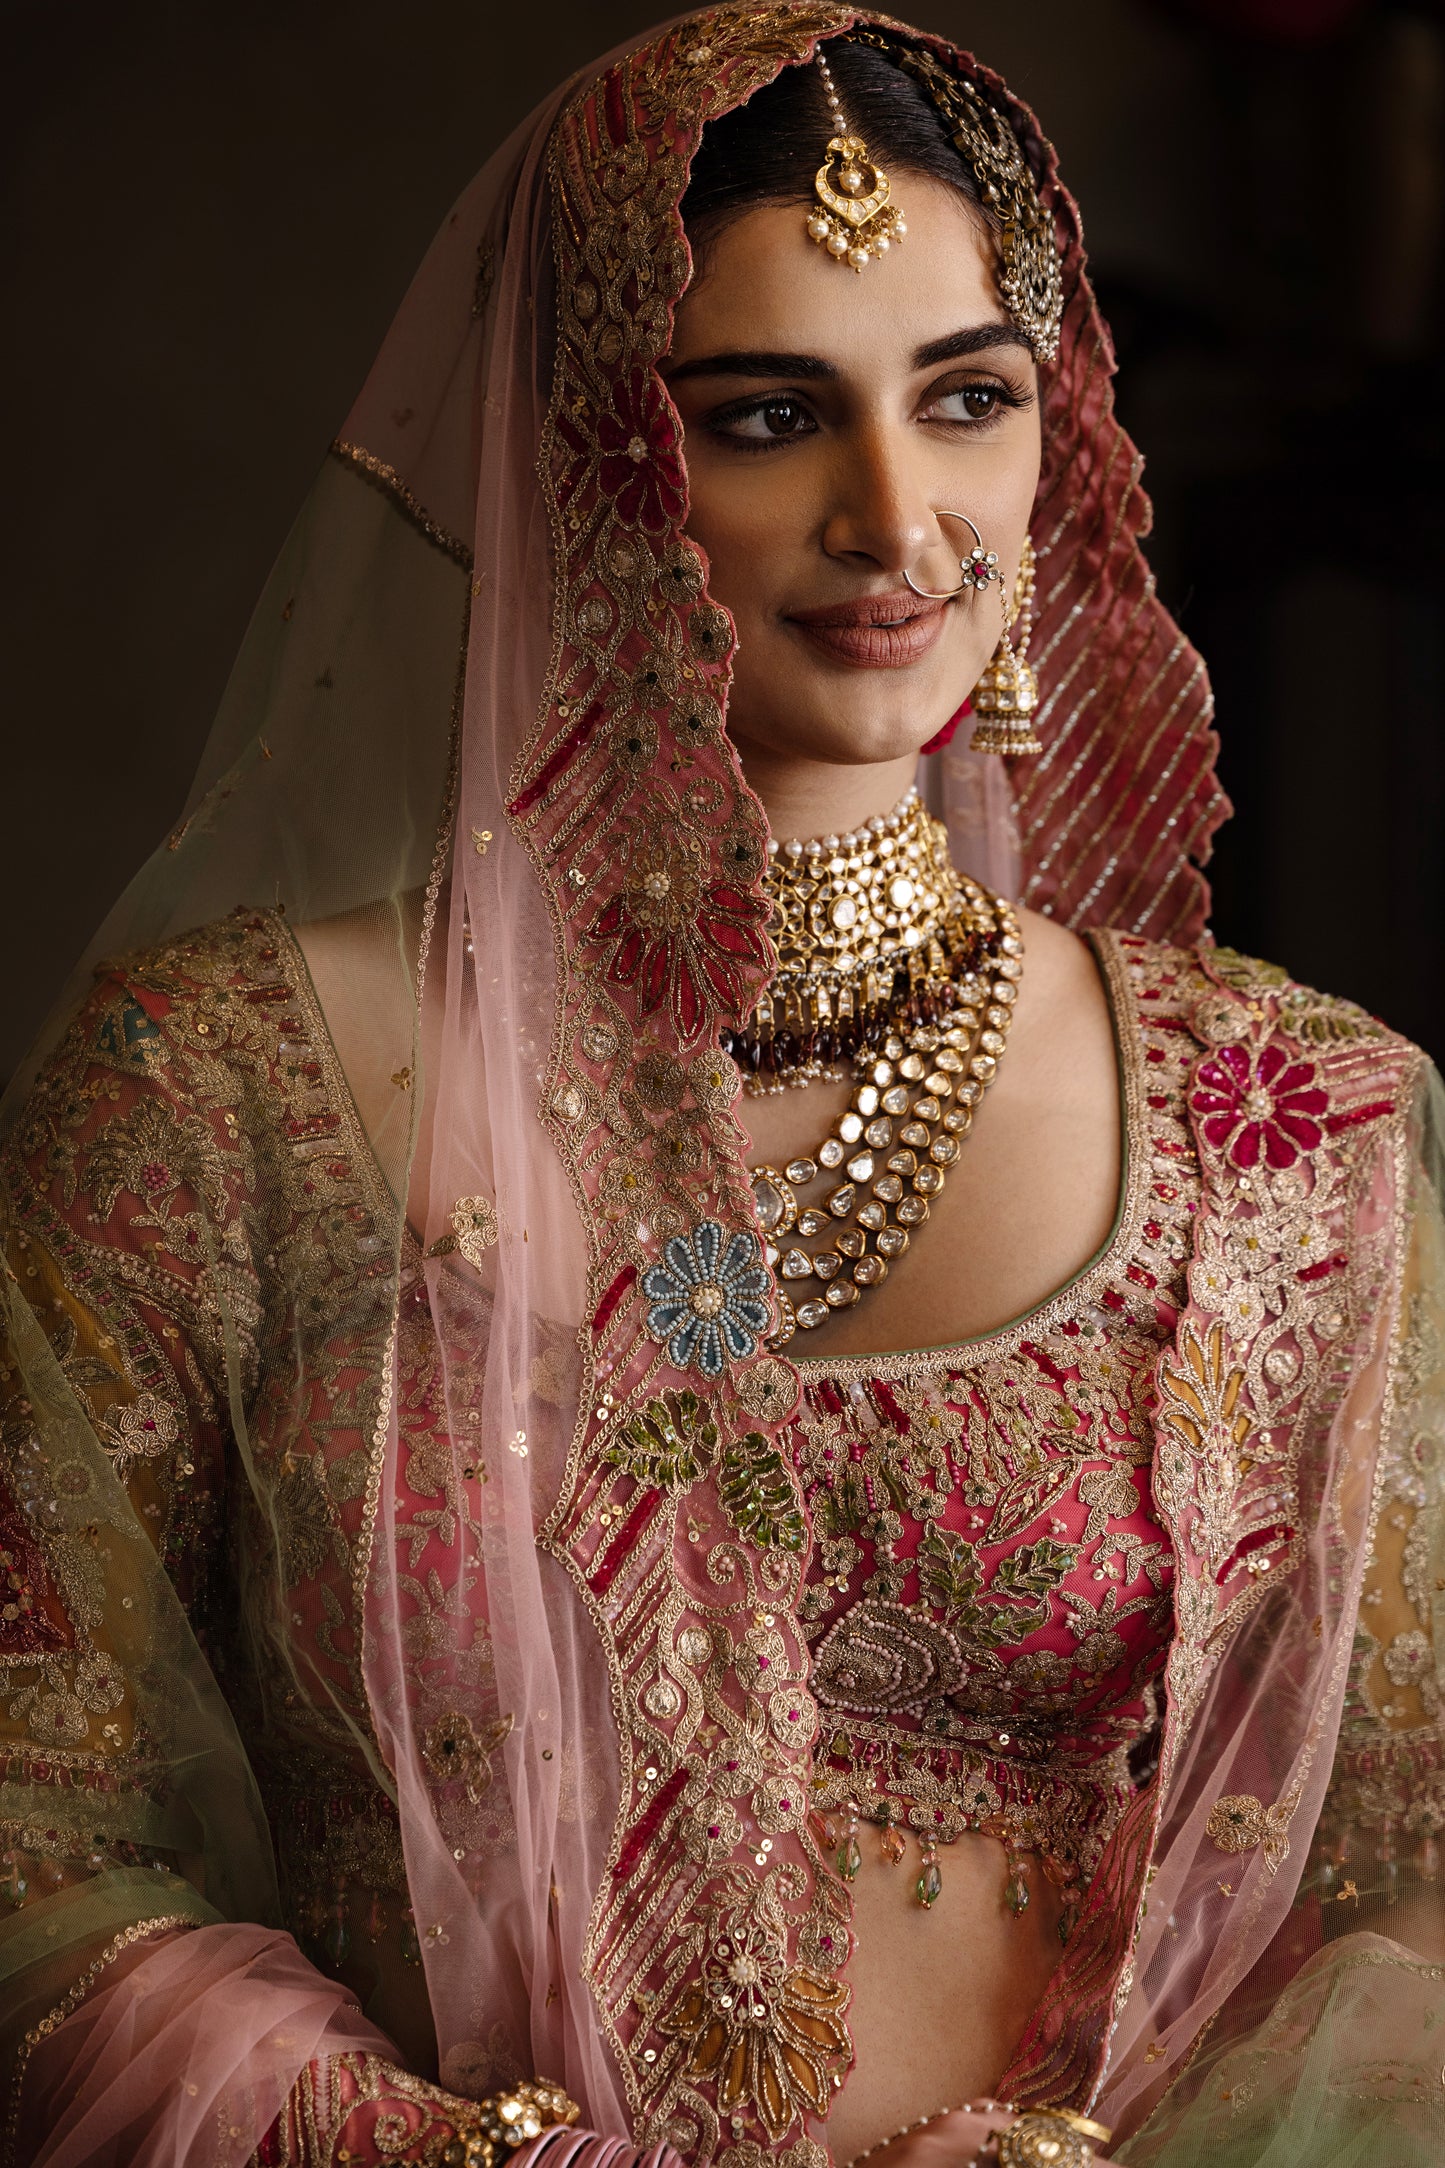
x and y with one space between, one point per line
971 403
781 417
766 421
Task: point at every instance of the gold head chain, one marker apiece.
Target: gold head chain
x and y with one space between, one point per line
856 222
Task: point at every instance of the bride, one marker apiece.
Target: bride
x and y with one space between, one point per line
713 1448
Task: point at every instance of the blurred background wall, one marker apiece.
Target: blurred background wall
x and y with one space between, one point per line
213 212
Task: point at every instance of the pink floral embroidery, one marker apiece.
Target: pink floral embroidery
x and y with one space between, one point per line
679 939
1267 1106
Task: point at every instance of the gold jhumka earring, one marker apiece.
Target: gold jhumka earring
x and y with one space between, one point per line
1006 696
854 221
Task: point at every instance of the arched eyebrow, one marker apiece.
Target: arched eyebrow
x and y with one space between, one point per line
958 345
751 364
762 363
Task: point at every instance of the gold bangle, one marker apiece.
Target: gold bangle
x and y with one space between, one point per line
1099 2132
1049 2138
506 2121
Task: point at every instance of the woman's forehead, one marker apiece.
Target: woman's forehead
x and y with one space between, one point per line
765 287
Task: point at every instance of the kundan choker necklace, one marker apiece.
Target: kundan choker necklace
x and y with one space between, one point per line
874 931
889 956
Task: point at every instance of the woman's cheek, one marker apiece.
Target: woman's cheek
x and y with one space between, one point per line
746 524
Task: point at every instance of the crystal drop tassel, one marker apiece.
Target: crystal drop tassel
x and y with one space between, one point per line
850 1858
336 1942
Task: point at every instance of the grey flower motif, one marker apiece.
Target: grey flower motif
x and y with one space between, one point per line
1410 1661
707 1307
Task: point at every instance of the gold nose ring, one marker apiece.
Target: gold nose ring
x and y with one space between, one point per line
979 567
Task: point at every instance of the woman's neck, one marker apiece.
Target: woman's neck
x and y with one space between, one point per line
818 798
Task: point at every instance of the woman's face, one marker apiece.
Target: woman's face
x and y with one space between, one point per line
829 416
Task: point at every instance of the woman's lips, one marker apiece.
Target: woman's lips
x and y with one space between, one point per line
874 632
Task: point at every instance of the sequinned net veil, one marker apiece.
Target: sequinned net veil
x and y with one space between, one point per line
475 743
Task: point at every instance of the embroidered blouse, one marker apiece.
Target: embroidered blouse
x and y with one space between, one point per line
990 1592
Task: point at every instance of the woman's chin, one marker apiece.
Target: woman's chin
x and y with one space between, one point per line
845 718
841 741
824 725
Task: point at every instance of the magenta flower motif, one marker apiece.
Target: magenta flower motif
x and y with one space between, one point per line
1267 1107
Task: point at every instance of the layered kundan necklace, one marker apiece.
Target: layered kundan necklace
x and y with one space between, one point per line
889 960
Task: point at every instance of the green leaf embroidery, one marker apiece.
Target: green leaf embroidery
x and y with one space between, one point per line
667 1446
843 1508
948 1571
758 1496
1035 1569
950 1577
1247 974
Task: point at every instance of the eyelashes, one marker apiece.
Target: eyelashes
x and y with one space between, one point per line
782 418
1003 396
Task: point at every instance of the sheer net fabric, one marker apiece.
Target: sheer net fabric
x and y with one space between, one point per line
1308 1986
474 746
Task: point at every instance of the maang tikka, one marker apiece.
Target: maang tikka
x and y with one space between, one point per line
855 220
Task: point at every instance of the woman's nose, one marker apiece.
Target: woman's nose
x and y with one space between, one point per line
880 516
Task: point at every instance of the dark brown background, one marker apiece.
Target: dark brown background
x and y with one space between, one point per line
215 211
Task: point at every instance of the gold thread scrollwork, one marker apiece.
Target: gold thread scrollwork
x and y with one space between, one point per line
68 2005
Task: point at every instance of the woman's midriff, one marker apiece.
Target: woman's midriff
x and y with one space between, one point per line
940 1997
988 1599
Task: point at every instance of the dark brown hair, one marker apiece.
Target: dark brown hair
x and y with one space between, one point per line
769 150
